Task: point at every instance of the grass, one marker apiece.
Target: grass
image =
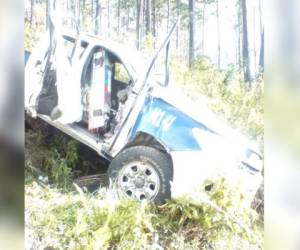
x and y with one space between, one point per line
78 220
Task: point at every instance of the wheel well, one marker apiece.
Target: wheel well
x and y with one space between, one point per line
144 139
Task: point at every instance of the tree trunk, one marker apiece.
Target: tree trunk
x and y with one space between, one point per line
128 16
262 51
177 28
77 11
260 17
148 17
31 11
246 59
153 18
92 12
168 16
47 14
108 18
254 40
203 27
143 23
239 36
191 32
138 21
97 17
219 34
118 14
142 20
262 39
83 13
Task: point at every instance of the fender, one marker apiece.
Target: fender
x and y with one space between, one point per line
171 127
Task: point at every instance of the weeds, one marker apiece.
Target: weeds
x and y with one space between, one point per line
59 169
81 221
55 160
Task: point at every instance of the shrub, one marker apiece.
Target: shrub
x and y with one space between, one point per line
61 160
82 221
54 159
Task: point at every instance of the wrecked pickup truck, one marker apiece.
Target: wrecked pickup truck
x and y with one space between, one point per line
159 144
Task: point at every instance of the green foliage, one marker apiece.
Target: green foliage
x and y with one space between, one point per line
33 31
55 159
226 93
36 154
61 159
148 45
59 169
121 73
82 221
66 146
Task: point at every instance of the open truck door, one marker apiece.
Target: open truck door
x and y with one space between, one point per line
34 74
56 78
53 76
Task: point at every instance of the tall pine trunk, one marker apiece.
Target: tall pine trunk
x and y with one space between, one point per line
118 14
260 17
47 13
108 18
203 27
97 17
262 39
77 11
128 16
148 17
31 11
177 28
254 40
139 10
262 51
239 35
83 12
246 59
92 12
191 32
168 15
153 18
219 33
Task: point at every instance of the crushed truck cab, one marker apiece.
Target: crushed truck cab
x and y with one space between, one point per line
158 142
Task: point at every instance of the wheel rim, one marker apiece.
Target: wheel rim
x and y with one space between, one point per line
138 180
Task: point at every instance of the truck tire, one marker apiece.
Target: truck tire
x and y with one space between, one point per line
141 173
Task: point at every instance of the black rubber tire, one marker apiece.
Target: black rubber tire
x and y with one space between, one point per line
161 162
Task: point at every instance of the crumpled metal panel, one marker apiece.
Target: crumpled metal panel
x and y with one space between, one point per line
168 125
